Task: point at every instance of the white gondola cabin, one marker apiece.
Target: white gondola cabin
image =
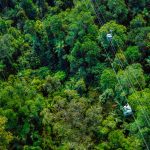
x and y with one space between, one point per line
109 36
127 110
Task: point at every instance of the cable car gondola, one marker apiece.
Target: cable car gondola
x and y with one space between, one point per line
127 110
109 36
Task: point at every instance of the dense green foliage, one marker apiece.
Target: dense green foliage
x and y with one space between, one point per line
63 85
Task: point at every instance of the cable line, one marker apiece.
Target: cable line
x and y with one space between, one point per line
119 48
129 81
117 77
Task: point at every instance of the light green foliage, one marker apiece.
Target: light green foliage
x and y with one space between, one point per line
108 79
116 138
21 94
138 21
5 137
132 77
78 121
12 44
118 32
108 94
76 84
4 25
132 54
140 103
51 84
120 60
7 46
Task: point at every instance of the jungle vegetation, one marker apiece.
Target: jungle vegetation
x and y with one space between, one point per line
63 84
